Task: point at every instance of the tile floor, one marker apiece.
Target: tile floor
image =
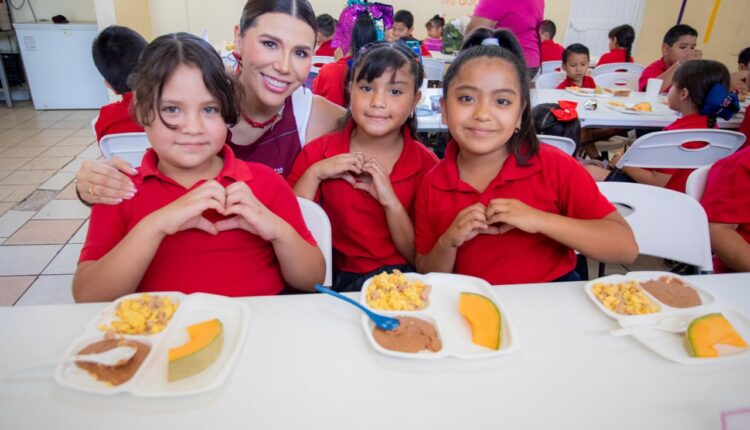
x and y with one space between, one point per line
42 223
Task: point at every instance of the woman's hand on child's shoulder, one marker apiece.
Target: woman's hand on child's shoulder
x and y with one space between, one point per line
105 182
342 166
187 212
470 222
250 214
377 184
508 214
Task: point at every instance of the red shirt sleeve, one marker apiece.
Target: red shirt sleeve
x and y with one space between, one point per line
725 198
745 128
653 70
588 82
107 227
310 154
579 195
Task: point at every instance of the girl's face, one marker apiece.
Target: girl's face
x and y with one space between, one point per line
200 129
576 67
676 98
434 31
483 105
381 107
276 57
612 44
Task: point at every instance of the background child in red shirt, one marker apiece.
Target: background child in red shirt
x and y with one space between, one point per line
551 51
115 51
678 46
575 63
201 220
326 29
403 27
366 176
621 40
500 206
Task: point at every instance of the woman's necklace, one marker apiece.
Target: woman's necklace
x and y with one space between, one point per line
264 124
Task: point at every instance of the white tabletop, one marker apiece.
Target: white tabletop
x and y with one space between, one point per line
307 365
445 58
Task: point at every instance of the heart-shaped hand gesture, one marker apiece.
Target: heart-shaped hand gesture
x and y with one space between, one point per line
513 213
187 212
250 214
376 182
469 222
343 166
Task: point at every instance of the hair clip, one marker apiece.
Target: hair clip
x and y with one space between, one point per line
721 103
490 41
566 112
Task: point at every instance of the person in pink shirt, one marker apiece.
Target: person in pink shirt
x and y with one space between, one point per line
521 17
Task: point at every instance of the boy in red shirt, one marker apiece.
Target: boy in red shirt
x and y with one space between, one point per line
115 51
575 63
326 29
403 27
551 51
678 46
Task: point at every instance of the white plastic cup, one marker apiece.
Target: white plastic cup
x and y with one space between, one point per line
653 89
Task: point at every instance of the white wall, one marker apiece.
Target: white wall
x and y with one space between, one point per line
74 10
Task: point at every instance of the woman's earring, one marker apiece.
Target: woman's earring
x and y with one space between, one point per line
412 114
516 130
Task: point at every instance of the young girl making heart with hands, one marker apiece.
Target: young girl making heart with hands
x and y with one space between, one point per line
201 219
500 206
366 176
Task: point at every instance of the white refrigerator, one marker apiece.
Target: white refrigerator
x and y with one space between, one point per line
59 67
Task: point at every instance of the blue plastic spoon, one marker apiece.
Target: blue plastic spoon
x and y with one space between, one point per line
382 321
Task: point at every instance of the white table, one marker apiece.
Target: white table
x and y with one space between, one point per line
445 58
307 365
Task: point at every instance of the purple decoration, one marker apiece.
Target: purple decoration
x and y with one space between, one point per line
381 14
682 11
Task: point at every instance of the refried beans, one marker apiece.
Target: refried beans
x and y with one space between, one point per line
111 375
412 335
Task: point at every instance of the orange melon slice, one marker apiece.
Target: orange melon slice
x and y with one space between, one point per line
705 332
203 348
484 318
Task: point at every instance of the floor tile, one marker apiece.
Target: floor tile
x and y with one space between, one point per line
13 287
72 124
5 141
67 193
26 260
4 173
86 115
58 181
77 140
12 221
84 132
45 232
55 132
47 163
39 122
5 207
40 142
66 261
27 177
51 114
36 200
13 163
15 193
63 209
20 151
74 165
92 152
49 290
20 132
64 150
80 236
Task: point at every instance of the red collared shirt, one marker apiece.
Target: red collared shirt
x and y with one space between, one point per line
745 128
116 118
679 178
325 49
331 80
551 51
588 82
726 199
615 56
652 71
552 182
361 239
232 263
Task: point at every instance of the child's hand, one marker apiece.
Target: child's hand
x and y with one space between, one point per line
187 211
613 162
470 222
249 214
379 187
512 213
342 166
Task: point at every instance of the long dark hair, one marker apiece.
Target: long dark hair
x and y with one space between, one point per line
523 145
545 122
300 9
624 35
698 77
160 59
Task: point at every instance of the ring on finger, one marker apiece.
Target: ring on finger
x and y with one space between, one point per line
91 190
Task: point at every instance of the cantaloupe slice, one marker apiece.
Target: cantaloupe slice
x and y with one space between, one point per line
705 332
484 318
203 348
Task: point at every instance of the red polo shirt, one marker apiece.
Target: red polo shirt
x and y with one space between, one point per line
116 118
361 239
745 127
726 199
551 51
588 82
615 56
232 263
679 178
331 80
552 182
325 49
652 71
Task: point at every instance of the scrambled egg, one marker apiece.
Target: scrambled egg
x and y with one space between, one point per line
394 292
626 298
144 315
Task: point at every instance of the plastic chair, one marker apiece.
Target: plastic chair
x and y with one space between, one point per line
128 146
666 223
618 68
550 67
696 182
319 61
564 144
434 70
320 226
549 81
618 79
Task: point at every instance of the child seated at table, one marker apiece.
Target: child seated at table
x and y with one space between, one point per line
115 51
434 41
678 47
551 51
699 91
201 221
621 40
326 29
575 64
403 27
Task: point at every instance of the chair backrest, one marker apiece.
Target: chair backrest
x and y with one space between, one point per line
696 182
550 67
564 144
666 223
128 146
434 70
320 226
618 79
319 61
549 81
617 67
677 148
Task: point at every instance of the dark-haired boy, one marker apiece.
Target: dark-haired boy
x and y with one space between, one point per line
326 29
678 46
551 51
403 27
115 51
575 63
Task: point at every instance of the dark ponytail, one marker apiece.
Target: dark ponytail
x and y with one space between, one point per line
505 39
698 77
624 35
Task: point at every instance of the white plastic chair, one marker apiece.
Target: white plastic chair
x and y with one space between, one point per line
434 70
128 146
618 79
320 226
549 81
666 223
696 182
319 61
618 68
93 124
564 144
550 67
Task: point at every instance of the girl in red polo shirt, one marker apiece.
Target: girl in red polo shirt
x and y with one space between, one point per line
499 206
201 221
621 40
366 176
